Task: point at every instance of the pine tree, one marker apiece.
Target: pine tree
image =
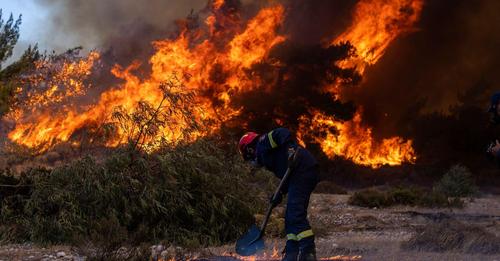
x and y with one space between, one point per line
9 35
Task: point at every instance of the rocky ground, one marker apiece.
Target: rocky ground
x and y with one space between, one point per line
346 231
31 252
343 232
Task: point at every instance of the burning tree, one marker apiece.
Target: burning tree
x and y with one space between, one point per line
239 73
143 126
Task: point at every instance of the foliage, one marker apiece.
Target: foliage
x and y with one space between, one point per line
9 35
411 196
192 195
457 182
369 198
147 121
328 187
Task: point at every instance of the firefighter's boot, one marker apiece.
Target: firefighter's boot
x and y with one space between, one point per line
291 251
308 254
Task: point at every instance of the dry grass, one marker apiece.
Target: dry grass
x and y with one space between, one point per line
451 235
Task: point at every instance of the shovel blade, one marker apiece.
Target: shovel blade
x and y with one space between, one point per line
247 245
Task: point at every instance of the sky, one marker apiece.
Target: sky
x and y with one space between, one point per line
58 25
33 17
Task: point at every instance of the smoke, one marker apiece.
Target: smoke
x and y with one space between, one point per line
122 30
95 23
316 21
454 49
296 87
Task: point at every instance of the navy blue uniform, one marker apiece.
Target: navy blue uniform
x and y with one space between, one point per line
272 153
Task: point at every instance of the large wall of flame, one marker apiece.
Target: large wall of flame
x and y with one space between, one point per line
236 62
454 49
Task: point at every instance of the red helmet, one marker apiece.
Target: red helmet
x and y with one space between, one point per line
246 140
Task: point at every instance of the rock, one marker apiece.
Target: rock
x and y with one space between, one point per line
160 248
60 254
164 254
154 253
171 249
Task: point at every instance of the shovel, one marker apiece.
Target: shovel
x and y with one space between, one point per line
252 242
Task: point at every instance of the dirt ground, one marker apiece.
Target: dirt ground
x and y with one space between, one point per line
343 232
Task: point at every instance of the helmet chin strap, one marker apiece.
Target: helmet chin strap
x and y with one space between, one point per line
249 153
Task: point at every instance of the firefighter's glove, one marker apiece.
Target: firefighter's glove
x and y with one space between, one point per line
275 201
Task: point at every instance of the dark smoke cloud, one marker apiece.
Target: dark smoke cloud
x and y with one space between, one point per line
104 24
455 49
96 23
122 30
296 87
315 21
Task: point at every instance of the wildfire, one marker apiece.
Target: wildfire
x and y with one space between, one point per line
376 24
57 80
210 65
355 142
196 63
217 4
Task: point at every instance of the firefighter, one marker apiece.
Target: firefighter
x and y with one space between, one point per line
276 151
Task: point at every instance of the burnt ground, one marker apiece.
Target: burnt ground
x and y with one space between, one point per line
343 231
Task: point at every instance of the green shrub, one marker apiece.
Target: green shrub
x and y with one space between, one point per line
411 196
457 182
370 198
328 187
405 196
189 196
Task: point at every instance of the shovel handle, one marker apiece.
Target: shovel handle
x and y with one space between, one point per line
270 208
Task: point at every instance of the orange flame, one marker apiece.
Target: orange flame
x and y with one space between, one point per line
217 4
196 63
218 65
355 142
275 255
375 25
